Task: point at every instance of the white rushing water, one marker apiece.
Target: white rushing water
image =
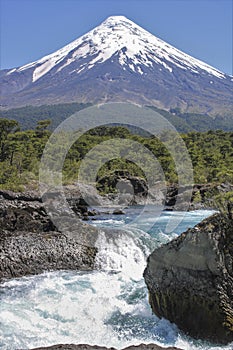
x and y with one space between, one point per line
107 307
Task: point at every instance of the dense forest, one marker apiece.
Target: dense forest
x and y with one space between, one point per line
211 154
28 117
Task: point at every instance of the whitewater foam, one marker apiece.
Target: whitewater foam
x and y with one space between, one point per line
108 307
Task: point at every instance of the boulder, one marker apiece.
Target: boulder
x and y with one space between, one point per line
190 280
118 212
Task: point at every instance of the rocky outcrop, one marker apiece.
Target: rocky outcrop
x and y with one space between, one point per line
29 254
95 347
190 280
30 243
202 196
129 189
133 190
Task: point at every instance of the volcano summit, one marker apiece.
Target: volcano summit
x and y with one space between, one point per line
119 61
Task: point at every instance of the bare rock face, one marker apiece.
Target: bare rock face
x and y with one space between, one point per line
190 280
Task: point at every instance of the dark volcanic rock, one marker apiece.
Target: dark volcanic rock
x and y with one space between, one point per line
95 347
130 190
201 197
27 253
149 347
23 216
74 347
190 280
133 190
30 243
118 212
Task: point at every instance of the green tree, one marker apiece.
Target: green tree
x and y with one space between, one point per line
6 127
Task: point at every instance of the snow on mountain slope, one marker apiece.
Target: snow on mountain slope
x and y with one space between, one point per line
119 61
136 49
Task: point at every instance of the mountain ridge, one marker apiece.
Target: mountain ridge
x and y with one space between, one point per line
119 61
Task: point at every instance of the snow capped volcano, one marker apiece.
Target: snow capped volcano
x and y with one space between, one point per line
117 35
126 62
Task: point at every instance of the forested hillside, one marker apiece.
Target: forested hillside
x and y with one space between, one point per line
28 117
211 153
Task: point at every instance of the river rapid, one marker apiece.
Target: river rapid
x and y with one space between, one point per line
108 306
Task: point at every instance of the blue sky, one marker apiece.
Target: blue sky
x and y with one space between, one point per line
30 29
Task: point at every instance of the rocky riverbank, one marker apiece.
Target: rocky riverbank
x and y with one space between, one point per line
190 280
132 190
31 243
